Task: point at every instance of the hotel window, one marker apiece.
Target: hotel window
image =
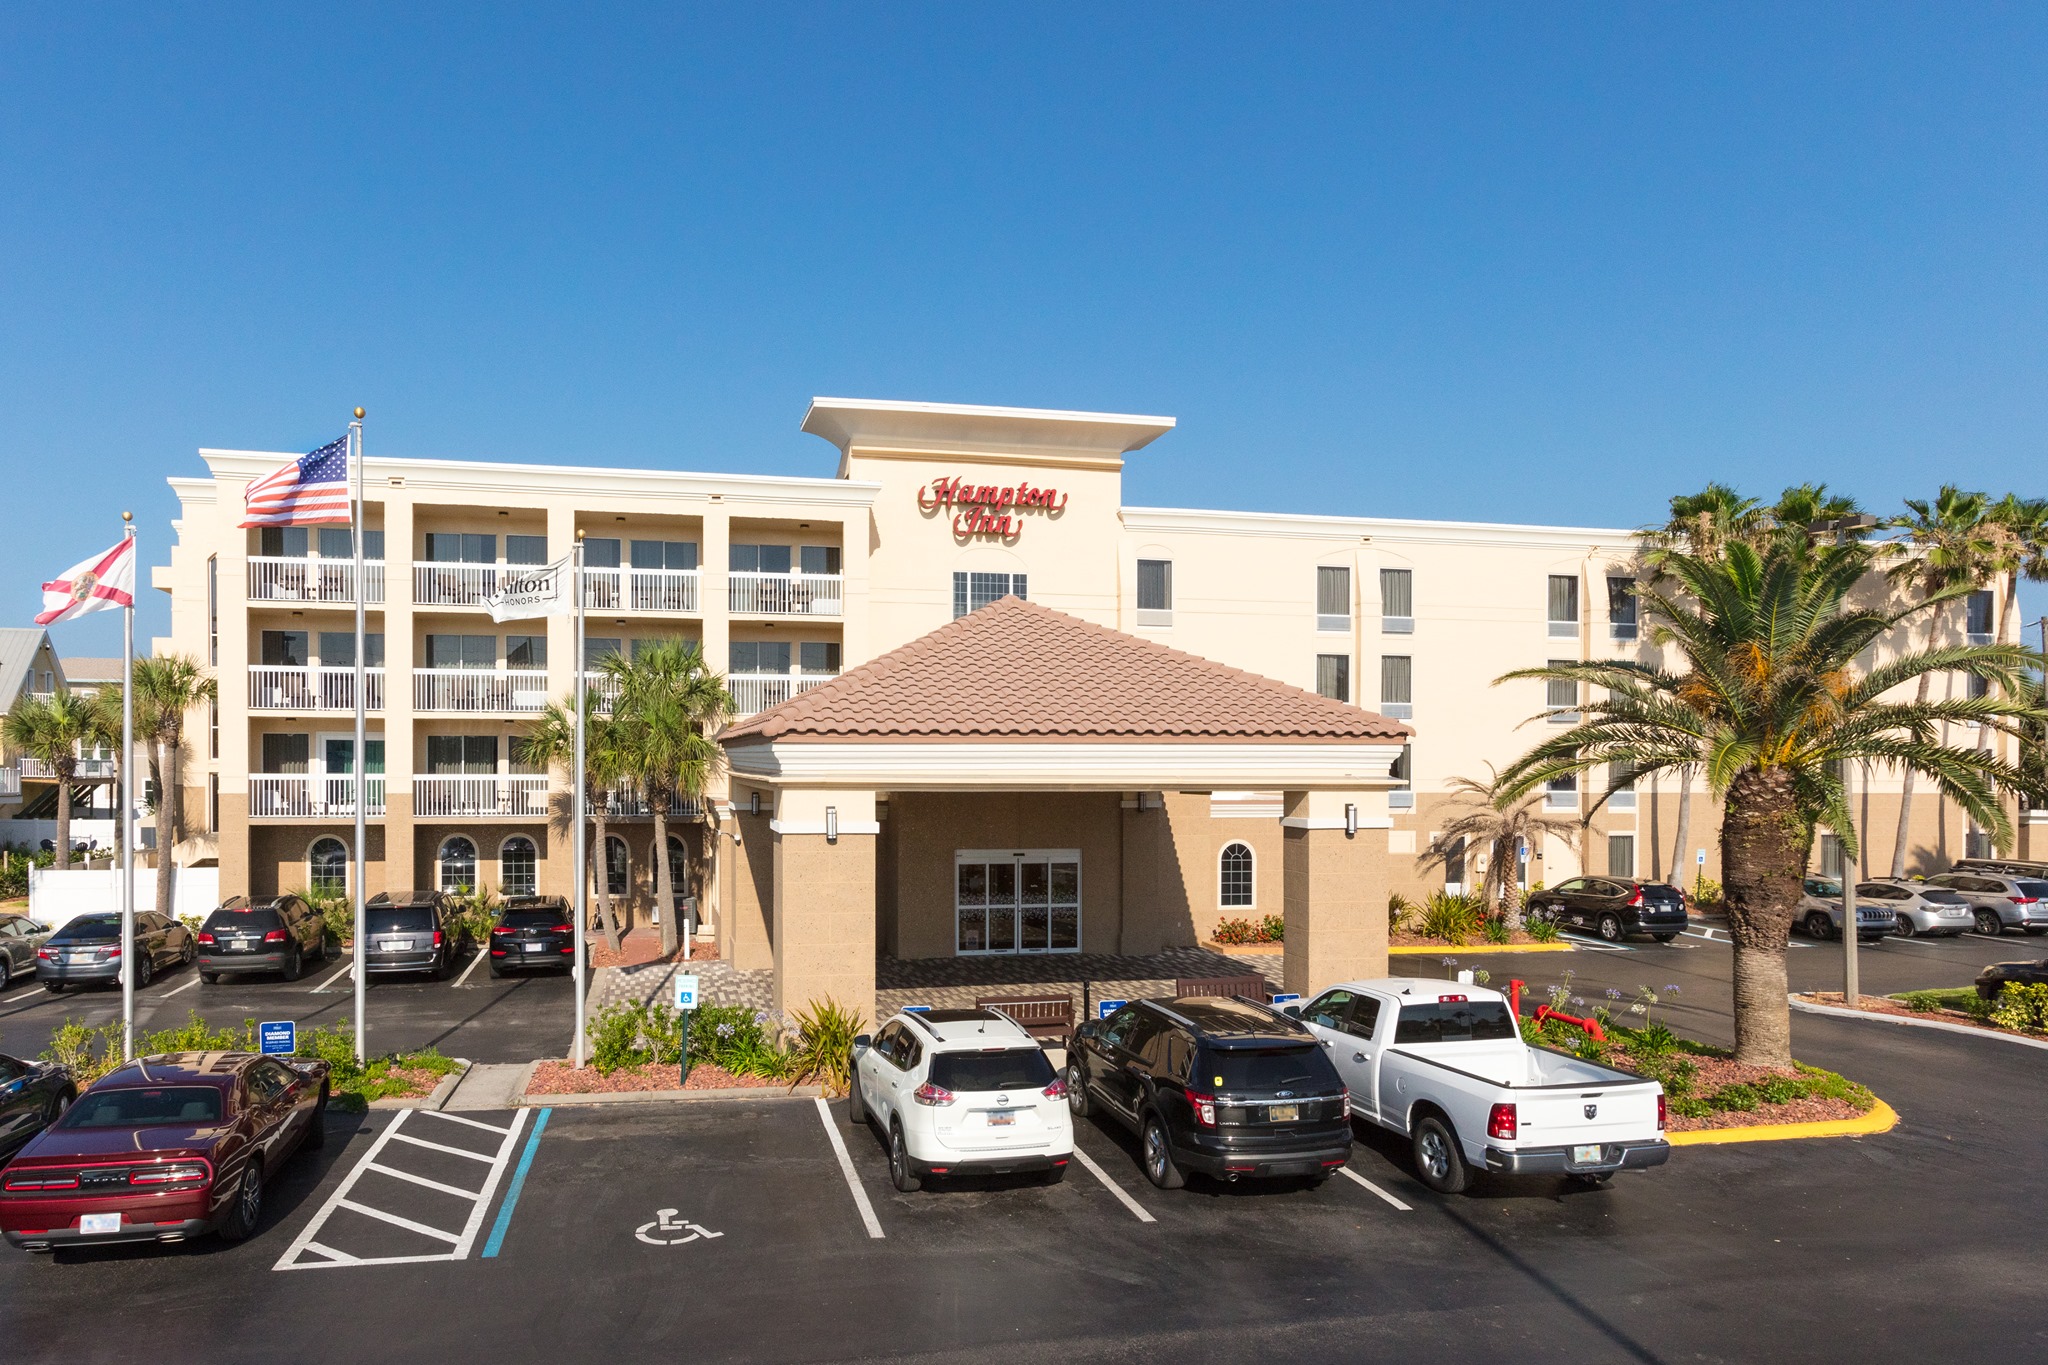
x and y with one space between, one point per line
336 544
1397 686
448 547
281 542
283 648
287 753
1403 773
1978 608
518 867
818 559
1562 792
462 755
1155 592
1621 608
1621 778
664 554
1561 695
462 651
1333 676
213 728
618 866
973 591
1397 601
818 656
213 609
1234 877
1333 597
526 651
213 803
1977 844
1454 865
1564 604
338 649
526 549
1621 856
1830 856
759 558
327 868
598 648
758 656
458 865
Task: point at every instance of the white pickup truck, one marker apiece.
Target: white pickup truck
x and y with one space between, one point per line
1445 1064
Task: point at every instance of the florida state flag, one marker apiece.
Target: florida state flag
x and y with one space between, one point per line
101 583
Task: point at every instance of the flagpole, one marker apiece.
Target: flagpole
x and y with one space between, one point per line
362 753
579 783
126 830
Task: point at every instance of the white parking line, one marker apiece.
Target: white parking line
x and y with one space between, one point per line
1346 1170
346 969
860 1196
1133 1205
474 962
181 990
1596 945
18 995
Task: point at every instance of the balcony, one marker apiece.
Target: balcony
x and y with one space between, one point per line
753 692
628 802
519 796
10 783
479 690
331 581
86 769
297 687
455 585
785 594
311 796
672 591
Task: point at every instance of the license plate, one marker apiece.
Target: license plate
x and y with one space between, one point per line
241 945
1283 1113
1002 1120
99 1222
1585 1156
397 944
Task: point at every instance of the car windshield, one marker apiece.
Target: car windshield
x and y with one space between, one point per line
243 917
399 919
89 929
1014 1068
535 919
1454 1021
138 1106
1239 1069
1823 886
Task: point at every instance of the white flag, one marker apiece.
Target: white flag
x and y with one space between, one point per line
532 592
101 583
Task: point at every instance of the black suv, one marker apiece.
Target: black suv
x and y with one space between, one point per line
1614 907
279 935
1227 1087
412 931
533 931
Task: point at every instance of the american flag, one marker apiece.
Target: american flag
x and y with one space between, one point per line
310 491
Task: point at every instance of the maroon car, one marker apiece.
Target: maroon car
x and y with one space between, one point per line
162 1149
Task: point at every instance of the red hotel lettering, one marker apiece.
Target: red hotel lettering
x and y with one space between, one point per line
984 509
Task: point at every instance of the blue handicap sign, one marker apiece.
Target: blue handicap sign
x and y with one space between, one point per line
278 1037
1286 998
1105 1008
917 1009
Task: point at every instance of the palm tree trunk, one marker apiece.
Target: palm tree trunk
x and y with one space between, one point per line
1684 830
664 884
63 772
605 916
166 830
1906 796
1763 859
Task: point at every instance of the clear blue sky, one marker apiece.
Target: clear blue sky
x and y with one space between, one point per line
1545 263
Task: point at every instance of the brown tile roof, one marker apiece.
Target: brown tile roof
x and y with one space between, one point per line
1016 671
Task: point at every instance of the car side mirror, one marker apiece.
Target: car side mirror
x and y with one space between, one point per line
1087 1030
862 1042
1291 1011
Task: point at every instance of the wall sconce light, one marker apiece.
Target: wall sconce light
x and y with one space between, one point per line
754 802
831 824
1350 820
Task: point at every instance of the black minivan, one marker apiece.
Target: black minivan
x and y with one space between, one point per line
413 931
1226 1087
280 935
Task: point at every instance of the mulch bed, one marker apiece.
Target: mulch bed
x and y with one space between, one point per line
1717 1073
560 1078
1877 1004
643 946
418 1083
1477 944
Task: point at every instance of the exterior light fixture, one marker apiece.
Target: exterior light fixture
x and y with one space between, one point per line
831 824
754 802
1350 819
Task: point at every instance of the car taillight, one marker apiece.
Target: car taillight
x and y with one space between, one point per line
1660 1113
1450 999
934 1095
1502 1123
205 936
1636 901
437 938
559 929
114 951
173 1173
569 948
274 936
500 929
50 953
1056 1091
1204 1107
36 1180
2019 900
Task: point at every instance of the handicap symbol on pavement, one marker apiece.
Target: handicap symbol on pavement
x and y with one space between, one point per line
665 1222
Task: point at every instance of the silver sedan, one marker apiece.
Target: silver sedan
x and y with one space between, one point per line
1923 911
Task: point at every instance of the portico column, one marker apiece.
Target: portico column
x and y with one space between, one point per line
825 900
1335 890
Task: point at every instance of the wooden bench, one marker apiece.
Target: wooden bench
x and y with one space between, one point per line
1048 1018
1254 986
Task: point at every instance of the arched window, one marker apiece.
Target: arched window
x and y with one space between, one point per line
327 868
458 864
618 866
1234 876
518 867
678 866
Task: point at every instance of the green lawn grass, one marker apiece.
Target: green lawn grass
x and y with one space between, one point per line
1946 997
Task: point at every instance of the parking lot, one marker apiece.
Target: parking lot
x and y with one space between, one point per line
736 1229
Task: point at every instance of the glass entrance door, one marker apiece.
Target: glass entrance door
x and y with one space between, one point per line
1017 901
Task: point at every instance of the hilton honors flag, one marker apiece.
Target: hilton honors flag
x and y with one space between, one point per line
310 491
101 583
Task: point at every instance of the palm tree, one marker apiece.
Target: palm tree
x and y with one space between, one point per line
1950 544
50 729
551 743
669 705
166 690
107 730
1701 523
1771 699
1491 818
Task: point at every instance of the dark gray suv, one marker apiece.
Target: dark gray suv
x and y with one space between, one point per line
413 931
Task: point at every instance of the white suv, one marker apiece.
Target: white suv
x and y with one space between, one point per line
961 1092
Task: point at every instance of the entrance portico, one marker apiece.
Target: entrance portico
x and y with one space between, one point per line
1023 782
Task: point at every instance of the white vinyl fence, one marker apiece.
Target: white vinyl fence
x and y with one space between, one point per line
56 897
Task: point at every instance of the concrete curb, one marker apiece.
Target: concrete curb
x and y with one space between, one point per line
1421 949
1843 1012
738 1092
434 1101
1882 1118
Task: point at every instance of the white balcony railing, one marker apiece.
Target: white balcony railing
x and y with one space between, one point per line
454 585
652 590
785 594
10 783
477 689
311 796
627 801
753 692
275 579
86 769
518 796
298 687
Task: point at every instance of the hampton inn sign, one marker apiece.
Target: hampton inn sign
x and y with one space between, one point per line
986 509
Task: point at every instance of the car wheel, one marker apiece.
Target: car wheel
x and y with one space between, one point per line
248 1207
856 1107
497 967
1664 938
295 965
1610 928
1053 1176
59 1102
190 955
2035 931
316 1132
210 978
1077 1091
1989 923
1160 1167
1905 929
6 974
145 971
901 1174
1437 1158
445 967
54 987
1817 926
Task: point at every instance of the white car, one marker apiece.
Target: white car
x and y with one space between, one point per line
961 1092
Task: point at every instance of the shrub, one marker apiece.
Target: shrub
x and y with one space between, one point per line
824 1042
2023 1008
1399 911
14 866
1540 928
1273 929
1705 890
1922 1002
1495 929
1234 931
1450 918
1652 1040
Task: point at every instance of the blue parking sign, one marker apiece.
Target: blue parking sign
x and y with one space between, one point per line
1105 1008
278 1037
1285 998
